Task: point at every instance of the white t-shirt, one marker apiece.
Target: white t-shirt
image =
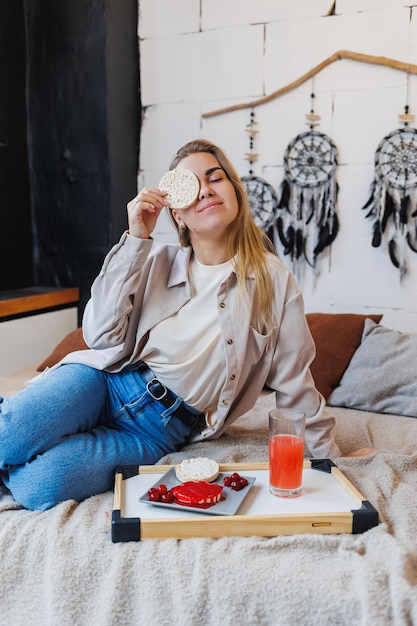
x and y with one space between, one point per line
185 351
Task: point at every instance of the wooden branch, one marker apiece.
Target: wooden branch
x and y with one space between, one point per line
337 56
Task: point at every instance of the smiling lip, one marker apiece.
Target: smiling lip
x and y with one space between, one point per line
209 205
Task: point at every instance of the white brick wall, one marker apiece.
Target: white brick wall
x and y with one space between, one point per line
203 55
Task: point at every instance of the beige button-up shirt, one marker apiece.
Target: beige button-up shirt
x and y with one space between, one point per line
143 282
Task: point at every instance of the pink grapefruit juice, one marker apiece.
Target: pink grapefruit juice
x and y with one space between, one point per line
286 457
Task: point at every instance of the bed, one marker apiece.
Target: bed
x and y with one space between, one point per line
61 566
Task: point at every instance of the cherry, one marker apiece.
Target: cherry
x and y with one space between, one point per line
235 481
156 494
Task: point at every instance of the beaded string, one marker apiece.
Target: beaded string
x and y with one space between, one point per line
406 118
252 131
312 118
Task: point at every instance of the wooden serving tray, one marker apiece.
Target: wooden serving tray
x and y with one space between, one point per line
329 504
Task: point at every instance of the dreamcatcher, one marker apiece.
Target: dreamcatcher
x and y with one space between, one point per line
308 222
393 199
263 200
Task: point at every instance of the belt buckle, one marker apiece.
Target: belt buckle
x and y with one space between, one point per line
165 390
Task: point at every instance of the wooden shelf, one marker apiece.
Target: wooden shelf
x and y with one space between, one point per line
32 299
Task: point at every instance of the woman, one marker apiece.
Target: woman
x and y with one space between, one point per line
183 340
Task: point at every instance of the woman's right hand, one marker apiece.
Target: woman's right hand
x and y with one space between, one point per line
143 212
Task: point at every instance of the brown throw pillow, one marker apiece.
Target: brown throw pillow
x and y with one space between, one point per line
337 337
72 342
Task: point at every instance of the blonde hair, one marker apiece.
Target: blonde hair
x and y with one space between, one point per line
246 244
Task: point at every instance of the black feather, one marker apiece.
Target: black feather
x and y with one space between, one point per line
405 202
376 239
371 200
280 231
270 233
311 264
322 212
310 211
322 238
326 235
300 207
411 242
392 250
286 238
388 211
299 243
285 195
289 248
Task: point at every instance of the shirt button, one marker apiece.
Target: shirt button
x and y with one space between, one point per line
230 342
233 376
225 402
223 305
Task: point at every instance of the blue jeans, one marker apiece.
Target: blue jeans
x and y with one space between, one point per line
62 436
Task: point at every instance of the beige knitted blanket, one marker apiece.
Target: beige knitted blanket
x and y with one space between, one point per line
60 568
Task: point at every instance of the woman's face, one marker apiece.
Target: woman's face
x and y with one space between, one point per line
216 207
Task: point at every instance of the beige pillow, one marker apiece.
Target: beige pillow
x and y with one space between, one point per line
381 376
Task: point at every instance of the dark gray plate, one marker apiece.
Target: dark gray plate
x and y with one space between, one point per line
228 506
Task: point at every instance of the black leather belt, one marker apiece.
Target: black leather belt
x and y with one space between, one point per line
160 393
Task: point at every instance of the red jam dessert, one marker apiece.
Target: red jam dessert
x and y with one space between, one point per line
198 492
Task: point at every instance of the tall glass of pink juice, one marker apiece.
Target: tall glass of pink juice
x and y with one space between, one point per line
286 452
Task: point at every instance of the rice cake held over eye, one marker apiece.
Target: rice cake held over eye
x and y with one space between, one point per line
182 187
